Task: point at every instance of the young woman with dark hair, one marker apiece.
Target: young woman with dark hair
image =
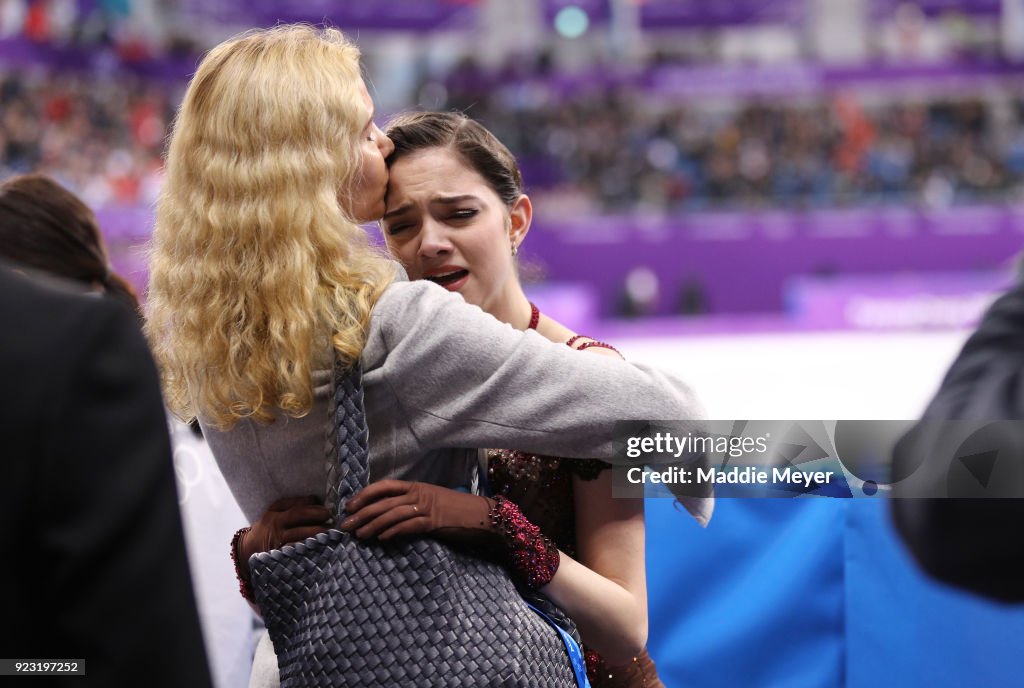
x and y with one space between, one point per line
46 227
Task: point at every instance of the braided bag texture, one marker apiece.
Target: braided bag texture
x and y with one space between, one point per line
417 613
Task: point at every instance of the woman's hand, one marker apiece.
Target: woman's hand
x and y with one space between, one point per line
290 519
394 508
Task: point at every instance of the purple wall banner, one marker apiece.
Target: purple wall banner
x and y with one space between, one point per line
676 14
687 82
21 53
936 300
390 15
934 8
740 262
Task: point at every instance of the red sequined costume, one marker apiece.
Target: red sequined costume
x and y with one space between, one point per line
542 488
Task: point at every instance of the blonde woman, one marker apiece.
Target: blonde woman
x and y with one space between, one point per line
261 275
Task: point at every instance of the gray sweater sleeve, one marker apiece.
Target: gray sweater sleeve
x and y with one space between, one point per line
460 378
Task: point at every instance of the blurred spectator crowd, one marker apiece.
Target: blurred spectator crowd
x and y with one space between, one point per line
599 148
620 149
101 138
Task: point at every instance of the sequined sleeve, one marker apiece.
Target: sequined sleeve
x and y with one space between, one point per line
587 469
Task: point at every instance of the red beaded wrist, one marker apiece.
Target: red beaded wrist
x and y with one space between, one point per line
532 556
600 345
244 586
535 318
587 345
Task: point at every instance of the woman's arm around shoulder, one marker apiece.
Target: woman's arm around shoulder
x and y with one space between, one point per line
462 378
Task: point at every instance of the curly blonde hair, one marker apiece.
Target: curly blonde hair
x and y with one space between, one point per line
253 259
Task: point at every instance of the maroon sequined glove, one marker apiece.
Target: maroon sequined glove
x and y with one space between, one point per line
396 508
531 555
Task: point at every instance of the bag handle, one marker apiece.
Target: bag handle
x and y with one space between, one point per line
346 446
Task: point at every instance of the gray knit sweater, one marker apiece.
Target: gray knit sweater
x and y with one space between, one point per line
439 376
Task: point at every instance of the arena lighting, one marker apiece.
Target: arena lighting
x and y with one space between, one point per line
571 22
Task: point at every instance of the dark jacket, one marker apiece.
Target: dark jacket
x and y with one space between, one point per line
976 544
94 562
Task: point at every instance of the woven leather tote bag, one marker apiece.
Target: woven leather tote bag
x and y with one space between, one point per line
341 612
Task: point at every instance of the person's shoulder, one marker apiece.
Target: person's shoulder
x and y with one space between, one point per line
405 301
38 310
18 285
26 290
424 316
402 291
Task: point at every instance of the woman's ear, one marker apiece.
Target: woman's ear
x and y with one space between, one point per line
521 215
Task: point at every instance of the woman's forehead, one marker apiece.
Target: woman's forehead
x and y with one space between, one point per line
438 163
365 95
435 175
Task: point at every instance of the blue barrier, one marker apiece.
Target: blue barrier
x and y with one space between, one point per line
807 593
